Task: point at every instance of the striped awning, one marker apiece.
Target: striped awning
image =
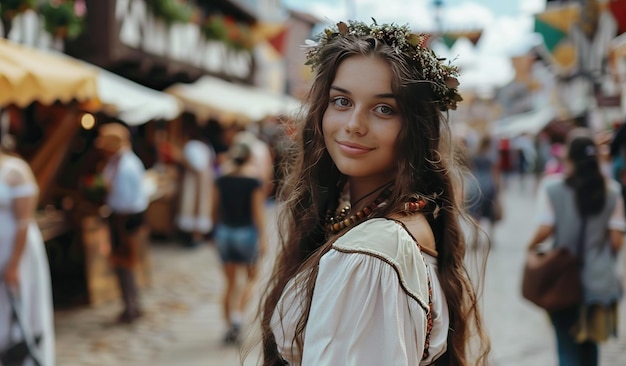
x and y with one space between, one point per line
28 75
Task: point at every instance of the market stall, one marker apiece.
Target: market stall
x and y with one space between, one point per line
28 76
42 97
213 98
51 104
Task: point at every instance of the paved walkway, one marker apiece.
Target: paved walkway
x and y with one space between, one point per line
181 313
183 325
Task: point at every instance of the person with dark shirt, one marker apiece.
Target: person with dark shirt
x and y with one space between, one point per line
239 234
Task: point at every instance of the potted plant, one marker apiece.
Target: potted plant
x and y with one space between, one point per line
215 28
225 29
64 18
171 11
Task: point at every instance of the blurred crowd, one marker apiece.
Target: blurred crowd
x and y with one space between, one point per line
494 161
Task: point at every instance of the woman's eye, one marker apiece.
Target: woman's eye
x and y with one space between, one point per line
341 102
384 109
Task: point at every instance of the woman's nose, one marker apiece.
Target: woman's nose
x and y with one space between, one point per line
357 122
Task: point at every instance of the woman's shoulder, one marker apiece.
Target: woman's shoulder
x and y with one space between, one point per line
14 162
16 170
390 242
555 178
551 181
386 235
376 234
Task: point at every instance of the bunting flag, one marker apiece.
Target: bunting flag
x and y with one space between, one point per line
554 25
552 36
450 38
273 33
278 41
618 8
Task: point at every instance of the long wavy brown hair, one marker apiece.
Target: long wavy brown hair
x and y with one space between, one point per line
585 178
425 165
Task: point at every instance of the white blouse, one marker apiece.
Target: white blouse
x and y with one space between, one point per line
370 304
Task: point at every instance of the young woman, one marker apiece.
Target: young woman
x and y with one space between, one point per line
24 268
379 279
239 235
583 211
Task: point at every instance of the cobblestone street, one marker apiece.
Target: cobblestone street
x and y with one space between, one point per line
183 324
182 303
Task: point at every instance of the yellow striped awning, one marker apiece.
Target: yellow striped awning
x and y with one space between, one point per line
28 75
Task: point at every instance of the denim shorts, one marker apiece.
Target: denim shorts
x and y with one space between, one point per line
237 244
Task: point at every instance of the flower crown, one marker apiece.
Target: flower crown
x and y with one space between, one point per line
443 77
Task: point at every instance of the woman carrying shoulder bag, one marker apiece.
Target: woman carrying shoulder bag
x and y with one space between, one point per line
581 209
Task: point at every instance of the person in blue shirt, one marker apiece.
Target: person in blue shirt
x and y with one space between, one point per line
127 201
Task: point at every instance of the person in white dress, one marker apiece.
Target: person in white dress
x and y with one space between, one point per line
378 279
196 194
23 261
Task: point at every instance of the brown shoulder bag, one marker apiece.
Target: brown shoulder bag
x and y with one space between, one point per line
552 280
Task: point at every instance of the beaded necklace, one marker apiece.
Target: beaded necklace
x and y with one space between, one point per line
338 222
344 211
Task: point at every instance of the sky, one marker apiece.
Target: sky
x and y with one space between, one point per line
507 29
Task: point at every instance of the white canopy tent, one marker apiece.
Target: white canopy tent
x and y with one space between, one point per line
530 122
210 97
133 103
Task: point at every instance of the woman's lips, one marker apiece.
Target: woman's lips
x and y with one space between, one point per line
352 148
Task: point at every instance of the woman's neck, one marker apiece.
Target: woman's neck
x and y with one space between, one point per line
362 193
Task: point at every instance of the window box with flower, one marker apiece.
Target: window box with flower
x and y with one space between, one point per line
64 18
225 29
171 11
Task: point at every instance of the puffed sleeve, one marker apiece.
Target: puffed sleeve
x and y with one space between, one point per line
24 191
361 315
20 178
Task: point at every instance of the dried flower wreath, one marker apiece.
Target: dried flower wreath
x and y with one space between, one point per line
442 76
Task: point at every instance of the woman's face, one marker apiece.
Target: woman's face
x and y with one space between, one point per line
362 121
